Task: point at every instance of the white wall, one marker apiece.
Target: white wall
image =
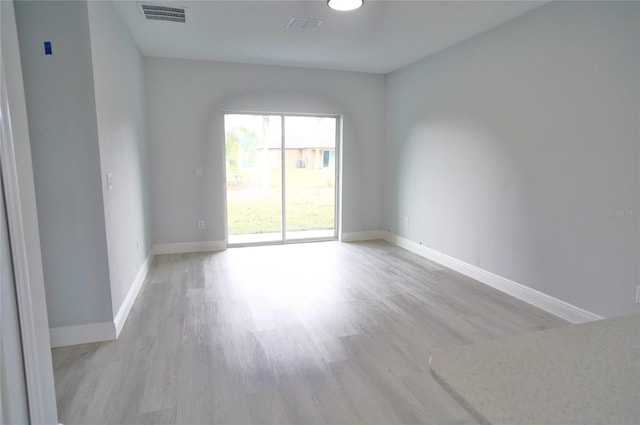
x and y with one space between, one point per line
64 142
512 150
119 95
185 101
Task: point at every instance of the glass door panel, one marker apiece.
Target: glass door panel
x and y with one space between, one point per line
310 177
253 148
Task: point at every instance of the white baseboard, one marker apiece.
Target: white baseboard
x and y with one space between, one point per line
186 247
362 236
82 334
531 296
125 308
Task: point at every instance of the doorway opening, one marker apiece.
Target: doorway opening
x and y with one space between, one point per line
281 178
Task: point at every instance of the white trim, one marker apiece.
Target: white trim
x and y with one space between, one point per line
82 334
125 308
531 296
186 247
369 235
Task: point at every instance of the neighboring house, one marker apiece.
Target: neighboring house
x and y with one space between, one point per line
314 156
304 150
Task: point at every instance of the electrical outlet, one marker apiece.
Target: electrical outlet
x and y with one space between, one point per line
638 294
201 224
406 221
198 171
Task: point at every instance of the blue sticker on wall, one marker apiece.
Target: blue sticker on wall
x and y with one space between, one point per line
48 50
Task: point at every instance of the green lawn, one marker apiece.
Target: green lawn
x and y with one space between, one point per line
310 202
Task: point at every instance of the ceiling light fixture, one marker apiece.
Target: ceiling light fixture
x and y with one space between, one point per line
345 5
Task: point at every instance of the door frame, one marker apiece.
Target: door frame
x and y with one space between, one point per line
19 196
337 187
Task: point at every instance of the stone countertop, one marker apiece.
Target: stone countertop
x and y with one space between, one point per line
575 374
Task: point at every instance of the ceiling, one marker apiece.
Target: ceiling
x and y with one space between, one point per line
380 37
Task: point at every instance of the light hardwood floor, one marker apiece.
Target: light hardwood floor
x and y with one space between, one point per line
291 334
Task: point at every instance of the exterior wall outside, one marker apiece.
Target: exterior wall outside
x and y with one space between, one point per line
299 158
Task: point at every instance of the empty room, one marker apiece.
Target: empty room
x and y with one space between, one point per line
320 212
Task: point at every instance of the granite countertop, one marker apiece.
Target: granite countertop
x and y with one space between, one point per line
575 374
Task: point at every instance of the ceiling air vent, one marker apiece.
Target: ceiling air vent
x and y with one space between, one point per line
157 12
303 24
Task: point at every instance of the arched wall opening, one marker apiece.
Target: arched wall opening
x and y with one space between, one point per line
282 103
186 101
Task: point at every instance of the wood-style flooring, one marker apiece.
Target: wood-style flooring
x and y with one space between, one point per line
337 333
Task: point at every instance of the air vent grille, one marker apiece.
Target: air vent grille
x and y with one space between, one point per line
163 13
303 24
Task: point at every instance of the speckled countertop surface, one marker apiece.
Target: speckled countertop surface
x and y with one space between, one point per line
575 374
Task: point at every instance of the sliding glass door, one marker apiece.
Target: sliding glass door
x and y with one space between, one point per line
281 178
310 177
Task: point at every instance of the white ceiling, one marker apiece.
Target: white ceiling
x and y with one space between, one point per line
380 37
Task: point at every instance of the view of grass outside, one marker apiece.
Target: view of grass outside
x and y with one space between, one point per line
254 174
310 203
